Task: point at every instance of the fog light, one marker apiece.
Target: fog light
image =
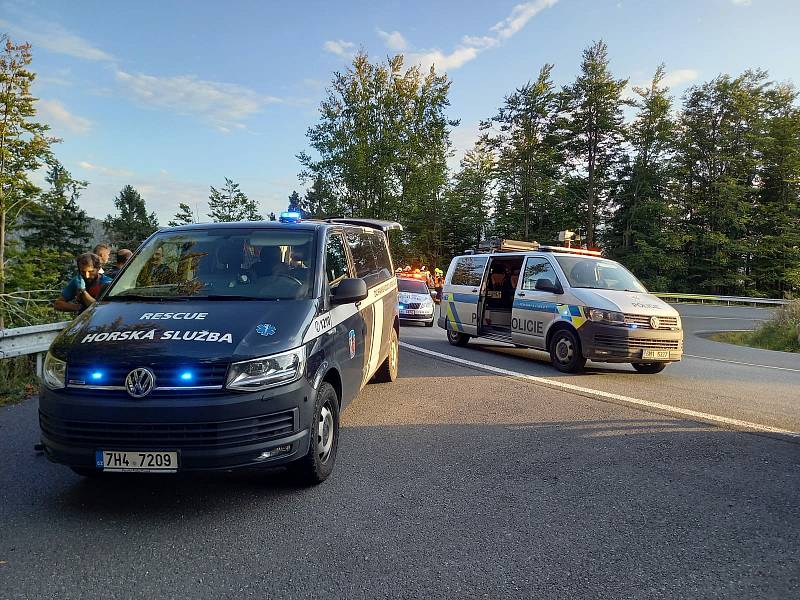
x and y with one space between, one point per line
274 452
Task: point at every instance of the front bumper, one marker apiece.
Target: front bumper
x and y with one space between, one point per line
220 431
610 343
424 318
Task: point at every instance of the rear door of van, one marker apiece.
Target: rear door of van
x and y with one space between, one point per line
461 293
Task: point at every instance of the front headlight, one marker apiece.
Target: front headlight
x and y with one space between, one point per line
54 372
261 373
609 317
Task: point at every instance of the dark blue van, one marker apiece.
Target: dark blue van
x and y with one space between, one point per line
225 345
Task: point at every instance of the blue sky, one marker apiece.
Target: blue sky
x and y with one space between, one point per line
172 97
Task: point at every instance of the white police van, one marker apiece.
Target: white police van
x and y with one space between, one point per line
225 345
572 303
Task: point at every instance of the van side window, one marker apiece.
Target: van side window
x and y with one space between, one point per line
535 269
370 256
336 267
469 270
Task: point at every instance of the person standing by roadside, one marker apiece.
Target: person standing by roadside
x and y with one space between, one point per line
103 252
82 290
123 256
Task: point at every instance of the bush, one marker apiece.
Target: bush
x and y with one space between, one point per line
18 379
779 333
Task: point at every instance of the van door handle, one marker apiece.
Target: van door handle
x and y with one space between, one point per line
475 291
521 294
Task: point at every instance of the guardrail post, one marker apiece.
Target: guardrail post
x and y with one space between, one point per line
39 367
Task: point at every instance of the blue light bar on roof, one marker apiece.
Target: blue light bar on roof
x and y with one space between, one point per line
290 217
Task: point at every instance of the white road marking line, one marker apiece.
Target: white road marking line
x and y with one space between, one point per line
560 385
736 362
726 318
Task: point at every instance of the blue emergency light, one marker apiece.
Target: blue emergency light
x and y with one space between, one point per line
290 217
186 376
97 375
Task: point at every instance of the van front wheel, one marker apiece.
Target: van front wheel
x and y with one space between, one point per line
565 352
317 465
456 338
650 368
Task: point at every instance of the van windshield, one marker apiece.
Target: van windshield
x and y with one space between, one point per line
599 274
221 264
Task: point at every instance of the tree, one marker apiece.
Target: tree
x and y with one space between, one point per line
644 228
319 201
133 224
56 221
184 216
296 203
230 204
522 134
24 145
594 129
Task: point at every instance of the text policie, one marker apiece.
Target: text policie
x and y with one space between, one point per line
187 336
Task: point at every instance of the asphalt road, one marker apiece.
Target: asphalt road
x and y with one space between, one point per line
450 483
759 386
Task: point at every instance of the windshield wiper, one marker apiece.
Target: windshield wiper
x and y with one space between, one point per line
140 297
231 297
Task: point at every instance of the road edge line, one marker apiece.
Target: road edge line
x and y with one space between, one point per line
616 398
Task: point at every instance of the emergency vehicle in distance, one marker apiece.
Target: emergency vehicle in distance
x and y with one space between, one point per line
414 300
225 345
570 302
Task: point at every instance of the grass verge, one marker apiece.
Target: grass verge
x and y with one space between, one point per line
780 333
18 379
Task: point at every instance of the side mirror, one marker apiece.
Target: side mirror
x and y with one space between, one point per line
548 285
349 290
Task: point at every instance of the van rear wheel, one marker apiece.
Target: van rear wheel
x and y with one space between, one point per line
387 372
565 352
650 368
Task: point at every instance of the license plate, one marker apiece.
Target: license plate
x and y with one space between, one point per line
141 462
412 311
656 354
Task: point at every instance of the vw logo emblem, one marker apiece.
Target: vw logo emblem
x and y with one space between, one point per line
655 322
140 382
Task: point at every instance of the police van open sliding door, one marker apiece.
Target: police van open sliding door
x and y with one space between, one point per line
461 303
534 310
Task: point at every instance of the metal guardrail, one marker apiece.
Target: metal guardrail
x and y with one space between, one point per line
703 298
35 339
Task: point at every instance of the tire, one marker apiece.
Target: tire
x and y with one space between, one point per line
456 338
565 351
650 368
317 465
89 472
429 323
387 372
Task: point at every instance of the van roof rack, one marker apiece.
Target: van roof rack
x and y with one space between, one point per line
384 226
505 245
565 250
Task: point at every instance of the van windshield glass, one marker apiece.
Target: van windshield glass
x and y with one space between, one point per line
412 286
220 264
599 274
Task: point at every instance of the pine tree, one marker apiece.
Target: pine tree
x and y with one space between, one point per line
230 204
56 221
594 130
296 203
133 224
184 216
319 200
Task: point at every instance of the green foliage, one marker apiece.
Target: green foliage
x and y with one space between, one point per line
132 224
780 333
56 222
184 216
230 204
17 379
24 145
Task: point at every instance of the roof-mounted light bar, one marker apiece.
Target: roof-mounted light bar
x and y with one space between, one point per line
290 217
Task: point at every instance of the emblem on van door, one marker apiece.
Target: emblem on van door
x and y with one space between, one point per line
140 382
655 322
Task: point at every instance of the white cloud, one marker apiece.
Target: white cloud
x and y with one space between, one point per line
339 47
471 46
742 2
463 137
680 76
444 62
224 105
519 17
55 38
105 171
58 117
393 40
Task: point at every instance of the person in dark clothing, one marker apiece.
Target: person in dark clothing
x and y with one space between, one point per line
82 290
123 256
